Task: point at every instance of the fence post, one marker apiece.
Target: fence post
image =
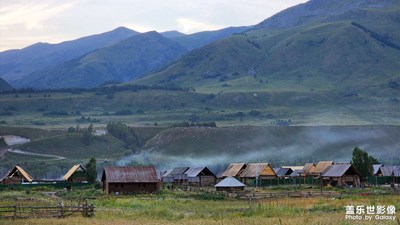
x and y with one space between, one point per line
15 212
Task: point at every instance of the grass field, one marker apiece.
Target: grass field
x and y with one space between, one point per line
178 207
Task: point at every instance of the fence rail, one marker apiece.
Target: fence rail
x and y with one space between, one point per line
60 211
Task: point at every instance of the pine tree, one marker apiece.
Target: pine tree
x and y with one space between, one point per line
91 172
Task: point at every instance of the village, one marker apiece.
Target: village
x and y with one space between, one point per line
235 178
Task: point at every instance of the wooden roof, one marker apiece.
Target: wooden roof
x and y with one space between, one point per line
308 168
73 170
339 170
257 169
322 166
129 174
16 169
234 170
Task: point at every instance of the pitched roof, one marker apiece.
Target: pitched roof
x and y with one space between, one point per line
129 174
283 172
258 169
234 169
396 172
195 171
376 168
230 182
178 170
322 166
308 168
72 171
387 170
339 170
294 167
296 173
21 171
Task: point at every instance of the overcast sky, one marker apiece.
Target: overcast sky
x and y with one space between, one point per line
25 22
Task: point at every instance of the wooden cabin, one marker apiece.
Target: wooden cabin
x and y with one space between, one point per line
234 170
341 175
308 169
176 176
230 184
257 170
321 167
200 176
130 179
76 174
17 175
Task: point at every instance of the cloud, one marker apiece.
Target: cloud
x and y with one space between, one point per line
188 26
30 15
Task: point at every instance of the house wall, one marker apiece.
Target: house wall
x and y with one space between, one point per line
202 181
13 180
133 188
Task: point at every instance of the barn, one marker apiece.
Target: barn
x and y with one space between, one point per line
260 170
129 179
230 184
234 170
200 176
341 175
76 174
16 176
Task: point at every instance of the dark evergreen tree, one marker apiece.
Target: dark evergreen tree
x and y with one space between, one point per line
91 172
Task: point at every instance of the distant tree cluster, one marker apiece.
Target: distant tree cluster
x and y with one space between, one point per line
192 124
281 122
87 120
126 134
363 162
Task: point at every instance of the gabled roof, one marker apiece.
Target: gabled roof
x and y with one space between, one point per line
11 173
339 170
308 168
234 169
387 170
283 172
376 168
178 171
196 171
230 182
296 173
322 166
72 171
258 169
294 167
129 174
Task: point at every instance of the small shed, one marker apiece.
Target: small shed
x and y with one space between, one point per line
230 184
234 170
260 170
129 179
341 175
16 175
200 176
76 174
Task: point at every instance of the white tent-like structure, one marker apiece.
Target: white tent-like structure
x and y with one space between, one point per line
230 184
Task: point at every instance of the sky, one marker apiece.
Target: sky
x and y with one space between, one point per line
25 22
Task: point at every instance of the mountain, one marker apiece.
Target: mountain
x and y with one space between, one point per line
16 64
123 61
172 34
351 52
196 40
4 86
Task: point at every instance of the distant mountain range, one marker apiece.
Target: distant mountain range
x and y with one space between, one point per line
348 46
340 45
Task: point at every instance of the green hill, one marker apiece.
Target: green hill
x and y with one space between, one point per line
335 54
123 61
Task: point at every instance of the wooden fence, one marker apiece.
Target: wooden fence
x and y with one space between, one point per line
59 211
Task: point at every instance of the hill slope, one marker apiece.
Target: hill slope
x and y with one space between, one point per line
335 55
16 64
277 145
122 61
4 86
